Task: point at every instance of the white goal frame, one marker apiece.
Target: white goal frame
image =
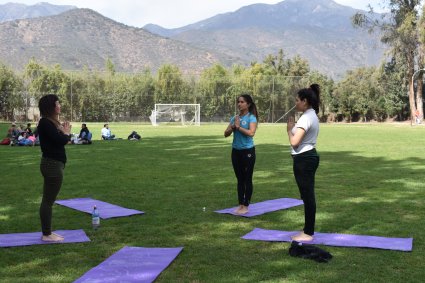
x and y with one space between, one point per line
176 115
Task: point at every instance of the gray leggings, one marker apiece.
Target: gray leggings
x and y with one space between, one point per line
52 171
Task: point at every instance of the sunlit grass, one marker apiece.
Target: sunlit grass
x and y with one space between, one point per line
370 182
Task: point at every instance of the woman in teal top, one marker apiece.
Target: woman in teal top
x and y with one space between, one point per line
243 127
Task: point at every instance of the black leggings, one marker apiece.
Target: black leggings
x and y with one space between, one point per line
52 171
305 166
243 162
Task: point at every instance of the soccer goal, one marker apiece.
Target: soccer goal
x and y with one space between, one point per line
184 114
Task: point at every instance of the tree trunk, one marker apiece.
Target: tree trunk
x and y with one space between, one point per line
419 101
420 84
410 72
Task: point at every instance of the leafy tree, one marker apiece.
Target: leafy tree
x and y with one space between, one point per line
142 87
169 84
93 102
400 32
10 92
214 86
43 80
391 82
357 93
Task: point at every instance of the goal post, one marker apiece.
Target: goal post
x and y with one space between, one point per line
184 114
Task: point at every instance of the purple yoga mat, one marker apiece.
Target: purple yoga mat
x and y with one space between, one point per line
265 206
28 239
131 264
338 240
106 210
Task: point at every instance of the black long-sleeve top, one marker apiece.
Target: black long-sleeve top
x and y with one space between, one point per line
52 141
84 130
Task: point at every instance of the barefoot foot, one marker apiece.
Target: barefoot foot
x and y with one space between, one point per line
302 237
52 238
238 209
243 210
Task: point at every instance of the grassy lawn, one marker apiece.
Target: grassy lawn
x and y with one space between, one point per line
370 182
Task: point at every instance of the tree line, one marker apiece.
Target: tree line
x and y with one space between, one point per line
389 91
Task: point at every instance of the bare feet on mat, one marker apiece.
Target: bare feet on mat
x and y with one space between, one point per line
243 210
302 237
238 209
52 238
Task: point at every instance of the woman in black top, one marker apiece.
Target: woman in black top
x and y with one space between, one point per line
84 131
28 129
53 138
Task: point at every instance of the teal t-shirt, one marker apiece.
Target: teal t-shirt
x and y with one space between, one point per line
241 141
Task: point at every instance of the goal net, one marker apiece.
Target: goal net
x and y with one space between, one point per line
184 114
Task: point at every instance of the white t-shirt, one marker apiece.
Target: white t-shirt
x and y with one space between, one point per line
106 132
310 123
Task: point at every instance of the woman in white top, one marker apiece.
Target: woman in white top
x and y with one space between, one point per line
303 137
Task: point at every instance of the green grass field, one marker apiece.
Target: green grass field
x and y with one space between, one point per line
370 181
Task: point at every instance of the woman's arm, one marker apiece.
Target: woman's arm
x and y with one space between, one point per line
229 130
294 139
248 132
53 134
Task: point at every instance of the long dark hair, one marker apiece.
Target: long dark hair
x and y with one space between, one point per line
252 107
312 95
47 105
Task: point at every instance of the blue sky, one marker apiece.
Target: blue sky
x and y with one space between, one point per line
172 13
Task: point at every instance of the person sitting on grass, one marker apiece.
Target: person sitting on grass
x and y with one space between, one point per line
8 138
22 138
13 133
85 135
26 139
28 129
106 133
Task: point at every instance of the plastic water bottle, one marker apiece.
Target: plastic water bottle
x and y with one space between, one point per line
95 218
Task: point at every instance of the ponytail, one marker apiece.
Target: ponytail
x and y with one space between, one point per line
312 95
316 100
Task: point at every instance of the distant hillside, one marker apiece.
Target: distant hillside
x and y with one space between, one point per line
83 37
15 11
318 30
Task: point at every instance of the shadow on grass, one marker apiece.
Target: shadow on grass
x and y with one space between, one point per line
173 178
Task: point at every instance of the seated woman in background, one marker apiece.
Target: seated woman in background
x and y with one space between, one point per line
85 135
28 129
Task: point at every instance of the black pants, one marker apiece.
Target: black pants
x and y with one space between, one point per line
52 171
305 166
243 162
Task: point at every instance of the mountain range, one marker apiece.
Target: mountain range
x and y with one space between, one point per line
83 37
318 30
14 11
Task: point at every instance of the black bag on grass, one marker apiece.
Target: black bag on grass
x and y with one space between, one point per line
134 136
309 251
